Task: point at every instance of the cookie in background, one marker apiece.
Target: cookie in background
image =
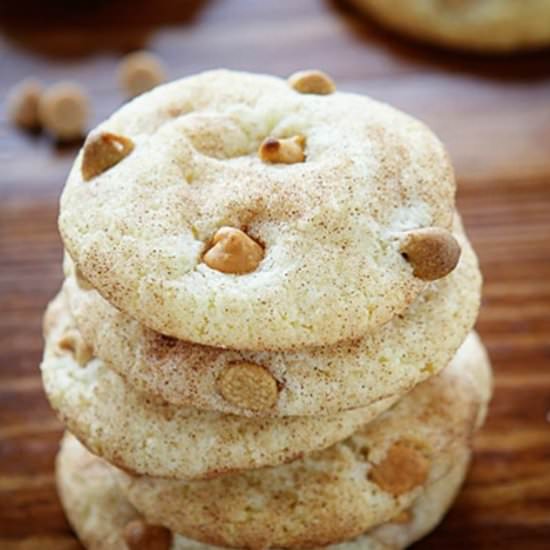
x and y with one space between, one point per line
484 26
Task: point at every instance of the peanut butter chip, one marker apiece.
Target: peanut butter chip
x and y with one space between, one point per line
433 252
249 386
72 342
23 104
312 82
233 251
139 72
81 281
64 110
102 151
284 151
403 469
138 535
404 517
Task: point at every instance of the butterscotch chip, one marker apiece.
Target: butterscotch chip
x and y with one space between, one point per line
404 517
285 151
71 341
54 312
139 535
433 252
102 151
23 104
403 468
140 72
63 111
233 251
249 386
81 281
312 82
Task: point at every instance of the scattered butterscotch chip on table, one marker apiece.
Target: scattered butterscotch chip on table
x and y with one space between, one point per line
139 72
312 82
64 110
23 104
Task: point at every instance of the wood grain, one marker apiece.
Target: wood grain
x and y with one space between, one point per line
494 116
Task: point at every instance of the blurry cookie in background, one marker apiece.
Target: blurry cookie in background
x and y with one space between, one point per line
479 25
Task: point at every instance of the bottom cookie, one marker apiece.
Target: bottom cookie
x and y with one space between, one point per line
341 492
104 519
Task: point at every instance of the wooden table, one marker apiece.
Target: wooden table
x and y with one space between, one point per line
494 116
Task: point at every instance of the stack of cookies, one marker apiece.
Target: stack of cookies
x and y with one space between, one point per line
263 339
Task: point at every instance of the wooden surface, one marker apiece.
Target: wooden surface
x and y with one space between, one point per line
494 116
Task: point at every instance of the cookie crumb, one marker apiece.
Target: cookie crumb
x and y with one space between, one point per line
140 72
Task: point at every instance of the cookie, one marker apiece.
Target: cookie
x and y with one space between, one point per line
144 435
478 25
254 213
386 362
102 516
139 72
338 493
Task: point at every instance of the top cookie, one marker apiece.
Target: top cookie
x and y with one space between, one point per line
244 211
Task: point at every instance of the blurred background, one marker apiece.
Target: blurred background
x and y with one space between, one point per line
492 112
